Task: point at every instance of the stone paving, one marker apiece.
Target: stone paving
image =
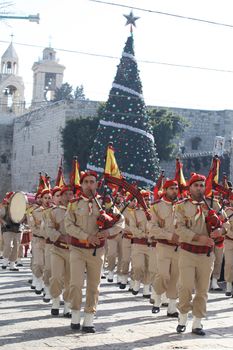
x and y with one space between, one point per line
123 321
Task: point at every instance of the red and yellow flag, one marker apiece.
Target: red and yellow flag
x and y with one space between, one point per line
158 189
111 167
213 176
42 183
75 176
60 180
179 177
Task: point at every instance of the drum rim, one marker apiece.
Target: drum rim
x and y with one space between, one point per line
10 214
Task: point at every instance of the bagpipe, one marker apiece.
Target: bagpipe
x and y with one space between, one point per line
132 189
213 222
107 220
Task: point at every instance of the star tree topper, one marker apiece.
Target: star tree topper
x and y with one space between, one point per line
131 19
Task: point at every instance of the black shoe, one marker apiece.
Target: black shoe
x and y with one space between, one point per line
103 277
155 310
62 302
130 290
19 264
54 312
38 292
45 300
14 269
30 281
122 286
88 329
33 287
68 315
180 328
164 304
173 314
75 326
217 289
110 280
1 257
198 331
146 296
135 292
4 267
228 294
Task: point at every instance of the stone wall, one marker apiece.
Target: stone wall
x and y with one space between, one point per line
37 140
6 139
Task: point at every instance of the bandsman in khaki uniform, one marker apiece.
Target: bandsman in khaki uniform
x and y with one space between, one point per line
228 250
56 199
60 255
114 248
86 250
11 235
162 230
140 248
38 245
30 223
126 246
196 257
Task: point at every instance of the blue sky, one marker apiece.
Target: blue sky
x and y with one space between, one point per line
83 25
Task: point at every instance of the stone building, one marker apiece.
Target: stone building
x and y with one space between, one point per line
11 84
47 76
30 141
37 140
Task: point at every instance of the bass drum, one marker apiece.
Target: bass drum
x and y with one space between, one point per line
17 207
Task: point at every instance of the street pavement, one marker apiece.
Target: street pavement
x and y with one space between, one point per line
123 321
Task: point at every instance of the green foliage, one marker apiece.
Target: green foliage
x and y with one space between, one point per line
166 127
78 138
63 93
79 93
66 92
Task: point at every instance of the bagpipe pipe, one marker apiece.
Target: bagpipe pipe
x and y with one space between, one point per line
213 222
107 220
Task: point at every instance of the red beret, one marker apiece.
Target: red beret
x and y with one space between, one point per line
196 177
66 188
55 189
45 191
169 183
7 197
87 173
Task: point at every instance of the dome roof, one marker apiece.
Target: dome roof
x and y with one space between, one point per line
10 54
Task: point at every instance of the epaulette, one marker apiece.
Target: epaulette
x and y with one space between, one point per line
73 202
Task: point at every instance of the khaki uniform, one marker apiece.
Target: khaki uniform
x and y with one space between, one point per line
161 228
228 250
195 268
140 247
218 252
114 252
48 245
11 240
60 255
38 242
126 244
80 223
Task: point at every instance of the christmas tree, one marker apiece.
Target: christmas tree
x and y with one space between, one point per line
125 123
